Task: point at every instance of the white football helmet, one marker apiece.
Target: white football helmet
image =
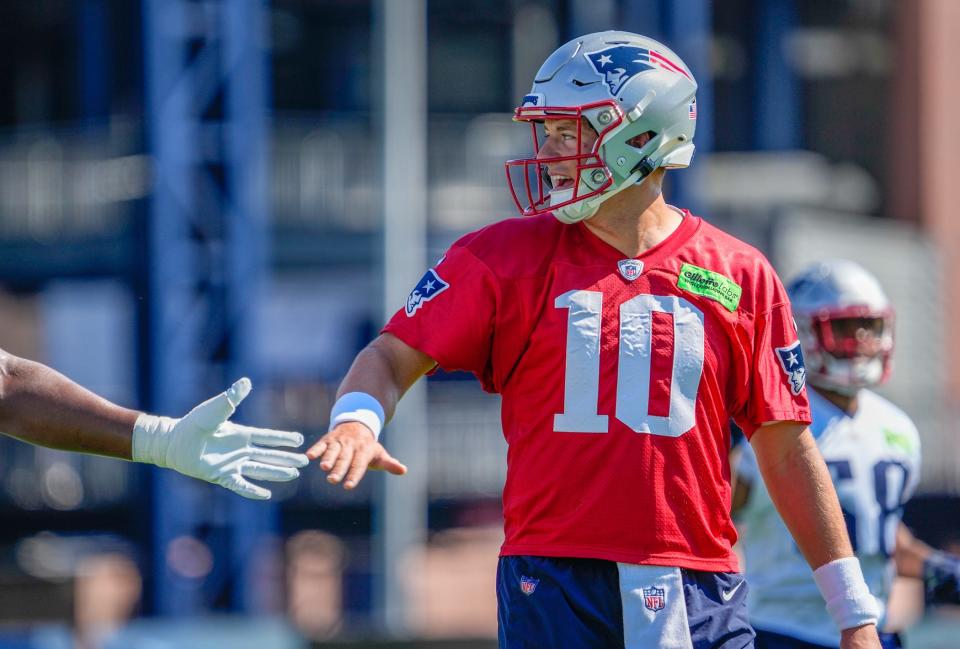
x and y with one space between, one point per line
845 323
622 85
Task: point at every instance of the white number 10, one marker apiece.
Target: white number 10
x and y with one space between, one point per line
581 389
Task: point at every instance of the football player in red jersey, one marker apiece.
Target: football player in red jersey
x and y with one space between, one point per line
622 334
43 407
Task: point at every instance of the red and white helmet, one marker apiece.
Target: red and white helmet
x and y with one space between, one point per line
622 85
845 323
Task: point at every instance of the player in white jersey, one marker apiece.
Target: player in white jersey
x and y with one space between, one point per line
872 449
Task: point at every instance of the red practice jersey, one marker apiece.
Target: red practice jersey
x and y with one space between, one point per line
618 379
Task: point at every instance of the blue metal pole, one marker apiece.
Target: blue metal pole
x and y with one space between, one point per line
93 60
207 96
777 92
172 276
685 27
246 65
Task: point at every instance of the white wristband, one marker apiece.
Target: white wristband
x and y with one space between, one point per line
361 407
849 601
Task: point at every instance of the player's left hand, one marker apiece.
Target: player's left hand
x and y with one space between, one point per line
348 450
204 445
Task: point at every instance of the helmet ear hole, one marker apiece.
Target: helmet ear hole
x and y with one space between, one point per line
639 141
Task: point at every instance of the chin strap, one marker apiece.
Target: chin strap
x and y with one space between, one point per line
645 167
583 210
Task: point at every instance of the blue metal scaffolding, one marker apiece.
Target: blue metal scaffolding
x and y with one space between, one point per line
207 96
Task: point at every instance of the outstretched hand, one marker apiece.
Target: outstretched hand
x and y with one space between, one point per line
347 451
205 445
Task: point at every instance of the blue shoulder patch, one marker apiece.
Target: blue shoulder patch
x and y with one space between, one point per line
791 361
429 287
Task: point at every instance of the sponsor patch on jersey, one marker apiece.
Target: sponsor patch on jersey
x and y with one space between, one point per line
898 440
429 287
620 63
528 584
710 284
654 598
630 268
791 361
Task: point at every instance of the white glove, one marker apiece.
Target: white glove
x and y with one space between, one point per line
205 445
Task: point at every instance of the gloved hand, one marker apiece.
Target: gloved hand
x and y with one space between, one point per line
204 445
941 578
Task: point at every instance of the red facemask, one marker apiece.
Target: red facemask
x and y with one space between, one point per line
528 178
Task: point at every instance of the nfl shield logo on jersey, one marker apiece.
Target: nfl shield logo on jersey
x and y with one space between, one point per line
528 584
429 287
630 268
791 361
654 598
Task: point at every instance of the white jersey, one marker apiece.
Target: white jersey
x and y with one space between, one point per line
874 460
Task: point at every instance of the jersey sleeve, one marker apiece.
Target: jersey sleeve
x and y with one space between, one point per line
450 314
776 376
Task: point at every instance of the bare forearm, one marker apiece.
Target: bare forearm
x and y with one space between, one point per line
41 406
910 553
800 487
385 369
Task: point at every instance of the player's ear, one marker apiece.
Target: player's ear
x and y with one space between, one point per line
639 141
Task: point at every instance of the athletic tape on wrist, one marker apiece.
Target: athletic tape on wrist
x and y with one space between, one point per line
849 601
151 439
361 407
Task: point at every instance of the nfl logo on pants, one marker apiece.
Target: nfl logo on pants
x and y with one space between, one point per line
653 599
528 584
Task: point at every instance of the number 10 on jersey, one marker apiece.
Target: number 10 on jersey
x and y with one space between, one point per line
635 344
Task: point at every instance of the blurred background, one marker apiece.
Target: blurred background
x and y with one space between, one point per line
195 190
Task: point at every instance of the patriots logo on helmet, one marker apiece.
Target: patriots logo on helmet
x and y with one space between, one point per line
654 598
429 287
791 361
620 63
528 584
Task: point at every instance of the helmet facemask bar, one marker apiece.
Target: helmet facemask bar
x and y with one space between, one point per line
527 176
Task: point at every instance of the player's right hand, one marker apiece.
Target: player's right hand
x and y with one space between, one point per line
348 450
